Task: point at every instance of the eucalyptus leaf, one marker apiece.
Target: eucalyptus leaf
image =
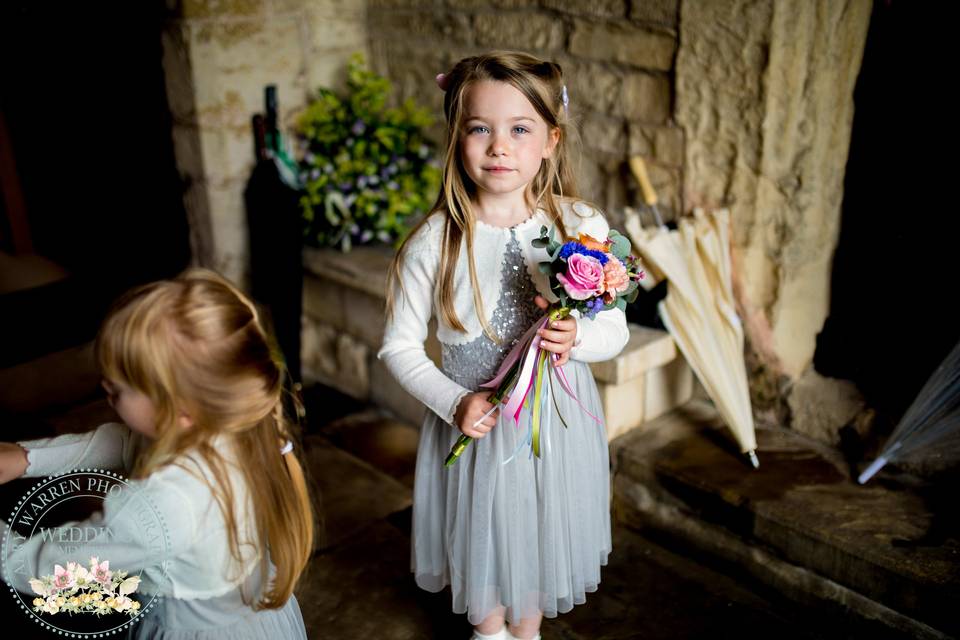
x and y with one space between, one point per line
620 246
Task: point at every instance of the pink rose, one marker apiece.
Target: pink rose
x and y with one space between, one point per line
584 277
615 279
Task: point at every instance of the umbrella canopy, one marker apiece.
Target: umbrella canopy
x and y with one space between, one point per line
699 309
932 423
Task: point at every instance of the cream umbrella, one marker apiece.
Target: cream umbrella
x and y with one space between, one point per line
699 309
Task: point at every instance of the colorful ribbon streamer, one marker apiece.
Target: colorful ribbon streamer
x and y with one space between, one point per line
526 375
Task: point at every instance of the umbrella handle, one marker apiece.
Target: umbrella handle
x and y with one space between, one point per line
639 169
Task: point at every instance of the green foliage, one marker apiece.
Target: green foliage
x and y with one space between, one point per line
367 168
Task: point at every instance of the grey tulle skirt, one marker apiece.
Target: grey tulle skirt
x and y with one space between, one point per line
529 535
222 618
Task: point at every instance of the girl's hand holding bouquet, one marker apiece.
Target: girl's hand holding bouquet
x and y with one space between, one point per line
587 275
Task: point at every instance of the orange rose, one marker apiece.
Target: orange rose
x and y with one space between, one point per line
592 243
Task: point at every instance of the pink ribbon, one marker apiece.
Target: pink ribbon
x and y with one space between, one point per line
515 354
529 347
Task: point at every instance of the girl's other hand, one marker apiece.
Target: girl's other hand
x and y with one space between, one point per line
13 461
558 336
471 409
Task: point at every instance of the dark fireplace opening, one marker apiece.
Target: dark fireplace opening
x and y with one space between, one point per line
90 179
893 310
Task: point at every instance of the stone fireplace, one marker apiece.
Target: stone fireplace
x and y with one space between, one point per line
744 105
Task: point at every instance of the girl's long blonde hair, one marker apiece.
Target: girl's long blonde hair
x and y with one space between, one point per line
196 347
541 82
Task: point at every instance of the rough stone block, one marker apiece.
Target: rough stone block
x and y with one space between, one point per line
336 30
624 44
386 392
667 387
662 144
319 349
596 9
603 133
362 269
592 86
323 301
646 350
353 375
820 406
335 359
365 317
221 8
527 31
662 12
231 247
623 405
645 97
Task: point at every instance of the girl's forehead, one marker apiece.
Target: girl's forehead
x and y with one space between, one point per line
496 99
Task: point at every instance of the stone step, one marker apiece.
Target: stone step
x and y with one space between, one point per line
353 495
887 552
647 379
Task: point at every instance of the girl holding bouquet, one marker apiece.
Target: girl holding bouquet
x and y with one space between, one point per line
516 536
189 368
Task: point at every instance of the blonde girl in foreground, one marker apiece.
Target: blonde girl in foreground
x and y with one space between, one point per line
189 368
515 537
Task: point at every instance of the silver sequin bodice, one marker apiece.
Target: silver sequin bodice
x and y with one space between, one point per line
477 361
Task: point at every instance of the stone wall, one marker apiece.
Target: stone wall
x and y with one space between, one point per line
617 55
733 103
218 57
746 105
765 98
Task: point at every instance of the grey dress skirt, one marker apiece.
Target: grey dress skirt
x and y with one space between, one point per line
225 617
524 533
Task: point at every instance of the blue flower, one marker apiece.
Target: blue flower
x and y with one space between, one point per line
593 307
358 127
571 248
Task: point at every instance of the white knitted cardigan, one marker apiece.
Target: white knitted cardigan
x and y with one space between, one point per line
403 342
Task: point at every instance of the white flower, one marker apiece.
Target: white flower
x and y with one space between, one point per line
129 585
51 605
38 587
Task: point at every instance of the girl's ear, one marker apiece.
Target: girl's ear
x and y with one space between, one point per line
184 421
553 137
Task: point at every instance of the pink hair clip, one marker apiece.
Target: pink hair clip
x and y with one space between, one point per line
443 81
564 98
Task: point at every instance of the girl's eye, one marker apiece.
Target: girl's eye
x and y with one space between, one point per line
477 129
520 130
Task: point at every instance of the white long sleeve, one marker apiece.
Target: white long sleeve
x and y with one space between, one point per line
110 446
403 340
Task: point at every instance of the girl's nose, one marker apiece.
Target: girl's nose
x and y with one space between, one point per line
498 146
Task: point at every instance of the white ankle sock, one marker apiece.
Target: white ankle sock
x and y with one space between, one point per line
510 636
503 634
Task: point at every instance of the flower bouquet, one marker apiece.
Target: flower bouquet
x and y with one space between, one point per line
77 589
588 276
366 168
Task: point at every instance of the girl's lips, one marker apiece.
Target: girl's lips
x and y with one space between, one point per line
497 169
